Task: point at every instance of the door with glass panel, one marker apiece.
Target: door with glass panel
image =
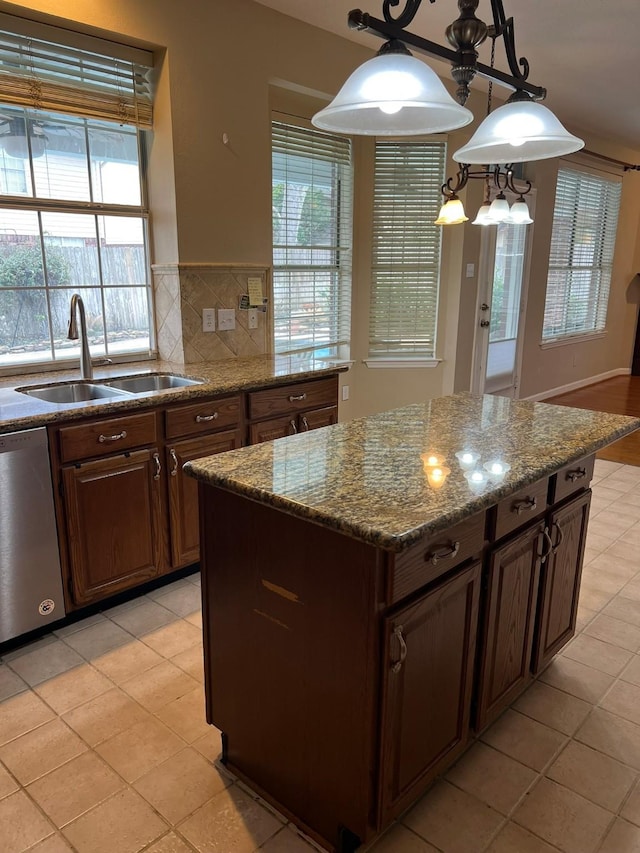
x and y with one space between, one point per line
503 275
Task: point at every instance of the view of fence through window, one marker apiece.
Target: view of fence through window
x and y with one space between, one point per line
56 172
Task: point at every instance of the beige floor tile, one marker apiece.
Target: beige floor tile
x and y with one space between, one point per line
186 716
601 528
191 661
7 783
124 823
623 837
624 609
182 601
514 839
492 777
170 844
577 679
27 648
66 630
617 520
552 707
615 631
632 589
524 739
623 699
153 594
45 662
624 553
631 809
195 619
77 786
20 714
148 616
603 656
21 824
563 818
210 745
53 844
594 599
106 716
593 775
231 821
598 542
181 785
135 751
40 751
612 735
10 683
98 639
452 820
174 638
399 839
73 688
289 841
159 685
127 661
583 617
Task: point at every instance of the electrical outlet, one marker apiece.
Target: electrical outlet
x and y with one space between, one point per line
208 319
345 392
253 318
471 270
226 319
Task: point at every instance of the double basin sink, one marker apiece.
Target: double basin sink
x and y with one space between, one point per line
122 386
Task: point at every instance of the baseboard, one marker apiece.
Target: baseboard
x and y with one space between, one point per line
581 383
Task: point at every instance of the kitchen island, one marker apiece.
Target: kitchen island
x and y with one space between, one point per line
377 591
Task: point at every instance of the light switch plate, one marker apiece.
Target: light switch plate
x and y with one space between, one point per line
252 318
226 319
208 319
471 270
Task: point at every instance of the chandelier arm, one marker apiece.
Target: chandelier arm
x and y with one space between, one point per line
504 27
406 16
359 20
461 178
510 185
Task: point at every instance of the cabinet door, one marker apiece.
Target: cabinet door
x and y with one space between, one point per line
114 523
183 492
272 429
509 614
560 580
428 678
318 418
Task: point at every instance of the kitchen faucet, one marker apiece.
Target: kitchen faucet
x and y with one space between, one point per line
86 368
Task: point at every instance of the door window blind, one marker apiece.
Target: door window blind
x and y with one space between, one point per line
406 248
585 220
312 211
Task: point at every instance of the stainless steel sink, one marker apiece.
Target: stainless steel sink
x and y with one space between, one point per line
71 392
151 382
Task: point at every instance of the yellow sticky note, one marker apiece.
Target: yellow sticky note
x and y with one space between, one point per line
255 290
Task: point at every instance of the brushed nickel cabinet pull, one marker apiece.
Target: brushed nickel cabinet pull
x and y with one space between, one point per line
305 424
116 437
560 537
548 543
527 505
294 428
174 459
397 633
448 552
293 398
201 418
578 474
156 459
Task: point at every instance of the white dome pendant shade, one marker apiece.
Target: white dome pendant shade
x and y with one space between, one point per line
393 94
521 130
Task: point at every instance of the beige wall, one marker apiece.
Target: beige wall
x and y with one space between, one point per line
220 63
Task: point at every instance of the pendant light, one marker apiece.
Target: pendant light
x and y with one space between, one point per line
393 94
452 212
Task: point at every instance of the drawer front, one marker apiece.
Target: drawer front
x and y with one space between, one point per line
520 508
573 478
100 438
205 417
436 555
293 398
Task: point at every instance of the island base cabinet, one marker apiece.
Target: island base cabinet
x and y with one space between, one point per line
428 681
560 580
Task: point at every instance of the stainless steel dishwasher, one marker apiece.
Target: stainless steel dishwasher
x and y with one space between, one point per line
30 576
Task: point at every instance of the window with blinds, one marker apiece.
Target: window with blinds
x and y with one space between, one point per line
585 220
406 249
72 199
312 237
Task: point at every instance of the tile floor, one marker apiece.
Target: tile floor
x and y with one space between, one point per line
104 746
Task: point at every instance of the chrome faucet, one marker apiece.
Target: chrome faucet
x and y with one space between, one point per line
86 368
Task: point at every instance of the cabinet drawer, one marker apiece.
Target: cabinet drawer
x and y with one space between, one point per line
519 508
202 417
114 435
293 398
572 478
436 555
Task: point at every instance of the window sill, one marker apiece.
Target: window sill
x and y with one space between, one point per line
404 363
572 339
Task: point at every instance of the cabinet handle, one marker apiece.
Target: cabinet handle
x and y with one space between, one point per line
174 459
202 418
578 474
294 428
560 537
116 437
397 633
547 539
293 398
527 505
305 423
446 553
156 459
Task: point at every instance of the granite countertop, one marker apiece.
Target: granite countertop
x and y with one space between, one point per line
365 478
20 411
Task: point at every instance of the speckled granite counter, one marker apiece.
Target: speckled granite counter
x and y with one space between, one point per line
20 411
366 479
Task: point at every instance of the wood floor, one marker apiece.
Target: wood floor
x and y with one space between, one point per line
620 395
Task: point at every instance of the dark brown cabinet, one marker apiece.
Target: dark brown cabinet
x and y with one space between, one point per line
290 409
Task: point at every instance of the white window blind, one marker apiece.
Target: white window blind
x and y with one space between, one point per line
312 236
406 249
585 220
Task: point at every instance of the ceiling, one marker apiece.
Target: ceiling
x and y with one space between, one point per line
586 53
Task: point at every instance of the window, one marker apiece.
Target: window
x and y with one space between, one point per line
406 249
311 208
585 219
72 215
